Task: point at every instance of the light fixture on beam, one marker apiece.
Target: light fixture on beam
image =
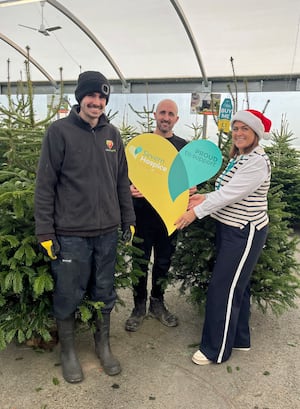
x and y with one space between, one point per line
6 3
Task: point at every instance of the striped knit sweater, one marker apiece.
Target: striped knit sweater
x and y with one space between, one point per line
252 208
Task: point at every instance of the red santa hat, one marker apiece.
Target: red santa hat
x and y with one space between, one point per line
260 124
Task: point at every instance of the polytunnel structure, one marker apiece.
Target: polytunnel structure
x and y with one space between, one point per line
151 46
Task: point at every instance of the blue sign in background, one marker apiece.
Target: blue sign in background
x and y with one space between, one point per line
226 109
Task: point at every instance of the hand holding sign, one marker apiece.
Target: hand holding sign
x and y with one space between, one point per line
164 175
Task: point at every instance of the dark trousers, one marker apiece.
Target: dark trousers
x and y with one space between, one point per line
226 323
151 229
85 266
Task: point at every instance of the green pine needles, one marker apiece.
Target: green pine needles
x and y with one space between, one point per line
25 281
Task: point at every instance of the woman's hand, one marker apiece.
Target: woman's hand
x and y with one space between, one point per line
195 200
185 220
135 192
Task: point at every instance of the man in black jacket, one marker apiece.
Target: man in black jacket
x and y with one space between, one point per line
151 229
82 196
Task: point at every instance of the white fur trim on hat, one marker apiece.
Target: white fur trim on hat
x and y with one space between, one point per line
250 120
255 120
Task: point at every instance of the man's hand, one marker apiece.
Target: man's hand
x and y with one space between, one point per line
135 192
127 233
50 248
192 190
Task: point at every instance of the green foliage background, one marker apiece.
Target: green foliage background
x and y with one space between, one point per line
275 281
25 280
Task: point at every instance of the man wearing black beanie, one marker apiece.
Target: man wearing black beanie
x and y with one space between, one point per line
82 197
89 82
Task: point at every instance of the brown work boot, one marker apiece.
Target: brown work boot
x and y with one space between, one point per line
158 310
137 316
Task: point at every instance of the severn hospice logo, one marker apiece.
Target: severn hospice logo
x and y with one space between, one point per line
164 175
148 158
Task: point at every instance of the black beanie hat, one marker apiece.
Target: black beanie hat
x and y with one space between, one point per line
92 81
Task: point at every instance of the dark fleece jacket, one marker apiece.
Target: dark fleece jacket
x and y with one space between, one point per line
82 185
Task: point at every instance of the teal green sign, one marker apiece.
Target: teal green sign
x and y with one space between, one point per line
197 162
226 109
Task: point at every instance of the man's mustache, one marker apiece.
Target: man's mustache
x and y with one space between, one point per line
95 106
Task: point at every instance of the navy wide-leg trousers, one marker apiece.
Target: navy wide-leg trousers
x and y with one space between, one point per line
226 323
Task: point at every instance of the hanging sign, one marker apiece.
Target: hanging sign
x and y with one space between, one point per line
205 103
225 115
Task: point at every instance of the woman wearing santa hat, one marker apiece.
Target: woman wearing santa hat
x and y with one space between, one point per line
239 205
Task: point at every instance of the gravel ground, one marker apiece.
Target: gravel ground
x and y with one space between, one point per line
157 369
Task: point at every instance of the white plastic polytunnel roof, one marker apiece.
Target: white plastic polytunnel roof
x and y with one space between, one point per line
154 42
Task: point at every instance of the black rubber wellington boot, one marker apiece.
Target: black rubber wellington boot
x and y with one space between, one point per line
158 310
137 316
109 363
71 368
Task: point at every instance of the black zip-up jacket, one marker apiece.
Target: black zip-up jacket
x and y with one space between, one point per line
82 185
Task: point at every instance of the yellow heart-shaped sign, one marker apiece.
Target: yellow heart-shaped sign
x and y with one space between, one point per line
149 158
